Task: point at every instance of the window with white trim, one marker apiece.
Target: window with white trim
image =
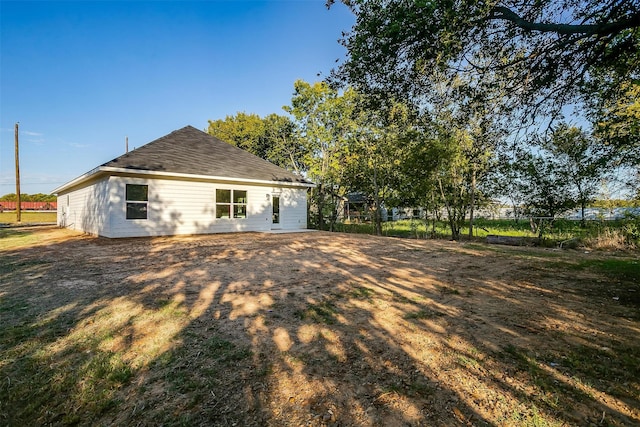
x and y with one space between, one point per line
137 199
231 203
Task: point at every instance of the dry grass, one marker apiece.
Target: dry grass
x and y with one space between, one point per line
609 240
314 329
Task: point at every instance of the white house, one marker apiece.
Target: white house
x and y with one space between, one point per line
187 182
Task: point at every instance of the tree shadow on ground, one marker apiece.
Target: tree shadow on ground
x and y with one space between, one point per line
307 329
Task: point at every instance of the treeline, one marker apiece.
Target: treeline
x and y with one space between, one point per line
38 197
455 155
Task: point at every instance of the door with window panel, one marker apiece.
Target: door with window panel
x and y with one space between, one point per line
275 212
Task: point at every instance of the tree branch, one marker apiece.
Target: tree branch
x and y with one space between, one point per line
506 14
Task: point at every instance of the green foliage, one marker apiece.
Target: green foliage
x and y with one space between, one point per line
391 154
323 119
543 55
563 170
379 143
631 229
38 197
583 161
453 147
622 203
452 180
242 130
286 149
271 138
546 190
617 119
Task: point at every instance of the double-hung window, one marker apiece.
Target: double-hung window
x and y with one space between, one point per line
231 203
137 199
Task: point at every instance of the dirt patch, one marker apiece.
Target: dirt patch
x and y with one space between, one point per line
317 329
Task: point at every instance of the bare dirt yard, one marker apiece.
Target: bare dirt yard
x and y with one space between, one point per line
314 329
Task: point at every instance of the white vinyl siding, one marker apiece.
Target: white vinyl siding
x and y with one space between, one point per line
85 208
293 208
189 207
177 207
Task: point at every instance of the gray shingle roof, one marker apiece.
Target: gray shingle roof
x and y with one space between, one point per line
191 151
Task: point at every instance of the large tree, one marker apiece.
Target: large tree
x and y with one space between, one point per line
562 171
284 148
376 146
543 182
582 162
271 138
322 117
618 120
545 54
243 130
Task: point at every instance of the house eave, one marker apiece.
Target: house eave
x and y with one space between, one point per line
77 181
108 170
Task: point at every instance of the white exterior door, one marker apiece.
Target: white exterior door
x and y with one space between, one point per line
275 213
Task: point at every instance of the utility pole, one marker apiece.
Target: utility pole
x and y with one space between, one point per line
126 144
18 200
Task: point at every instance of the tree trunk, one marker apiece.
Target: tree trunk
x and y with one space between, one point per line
335 209
376 200
472 201
435 215
320 207
332 218
455 234
294 163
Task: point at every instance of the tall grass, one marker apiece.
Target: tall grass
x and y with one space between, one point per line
595 234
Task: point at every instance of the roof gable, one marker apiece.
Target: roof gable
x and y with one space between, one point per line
193 152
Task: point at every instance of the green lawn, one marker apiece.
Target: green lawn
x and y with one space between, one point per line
28 217
16 237
623 232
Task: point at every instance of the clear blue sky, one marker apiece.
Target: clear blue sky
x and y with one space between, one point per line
79 76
